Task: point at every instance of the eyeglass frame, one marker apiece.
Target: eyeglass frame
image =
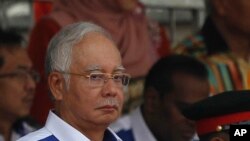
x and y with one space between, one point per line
34 75
110 76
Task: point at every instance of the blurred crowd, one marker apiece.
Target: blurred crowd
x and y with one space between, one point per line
160 85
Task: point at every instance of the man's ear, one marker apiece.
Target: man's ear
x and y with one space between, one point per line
151 99
219 7
57 85
1 61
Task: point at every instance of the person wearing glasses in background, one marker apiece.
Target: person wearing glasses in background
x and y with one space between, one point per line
86 79
17 86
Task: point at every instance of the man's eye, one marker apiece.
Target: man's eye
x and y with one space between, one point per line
18 75
182 105
96 76
118 77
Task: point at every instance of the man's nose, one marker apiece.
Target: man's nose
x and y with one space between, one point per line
110 88
191 123
30 83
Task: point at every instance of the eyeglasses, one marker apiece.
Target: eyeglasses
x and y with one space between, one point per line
99 79
22 75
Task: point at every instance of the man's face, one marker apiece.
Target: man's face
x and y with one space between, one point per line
86 103
188 90
237 15
16 86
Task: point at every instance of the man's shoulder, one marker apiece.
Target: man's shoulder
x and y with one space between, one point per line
123 123
23 127
40 135
123 128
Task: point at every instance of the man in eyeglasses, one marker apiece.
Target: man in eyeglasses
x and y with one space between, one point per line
86 79
17 85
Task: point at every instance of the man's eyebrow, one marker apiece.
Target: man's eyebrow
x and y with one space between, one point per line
99 68
22 67
93 68
120 68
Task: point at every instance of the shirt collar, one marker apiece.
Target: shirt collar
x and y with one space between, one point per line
140 129
109 135
20 129
54 123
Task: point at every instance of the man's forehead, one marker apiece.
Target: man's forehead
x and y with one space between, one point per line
15 59
15 50
11 67
97 67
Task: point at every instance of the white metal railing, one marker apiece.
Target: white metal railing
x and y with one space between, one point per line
188 4
197 8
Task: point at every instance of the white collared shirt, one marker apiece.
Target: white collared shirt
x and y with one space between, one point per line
133 128
19 131
56 129
135 124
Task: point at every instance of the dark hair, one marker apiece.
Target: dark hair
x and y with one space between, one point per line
9 38
160 75
1 61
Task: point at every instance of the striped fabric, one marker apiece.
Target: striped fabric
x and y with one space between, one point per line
226 71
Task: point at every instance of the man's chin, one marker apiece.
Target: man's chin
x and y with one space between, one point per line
23 113
111 119
108 119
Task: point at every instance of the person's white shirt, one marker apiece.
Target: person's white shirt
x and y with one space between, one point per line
132 127
56 129
17 132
